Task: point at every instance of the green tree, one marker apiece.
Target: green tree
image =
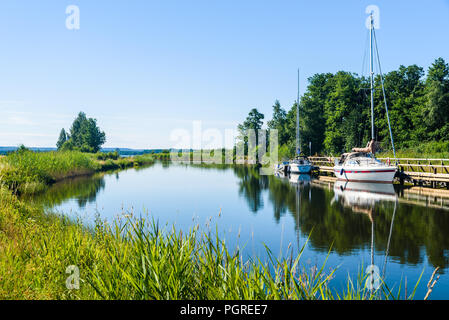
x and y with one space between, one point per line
85 135
335 111
436 107
312 116
62 139
346 114
254 122
279 122
404 90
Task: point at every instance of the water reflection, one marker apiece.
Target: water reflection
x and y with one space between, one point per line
83 189
365 199
347 216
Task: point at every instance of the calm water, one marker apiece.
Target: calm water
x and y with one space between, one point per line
401 233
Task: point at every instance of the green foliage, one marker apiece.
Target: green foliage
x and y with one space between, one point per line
279 123
431 150
25 171
436 108
335 110
28 172
85 136
63 137
254 122
109 155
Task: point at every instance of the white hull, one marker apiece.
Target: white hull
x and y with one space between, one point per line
300 168
365 173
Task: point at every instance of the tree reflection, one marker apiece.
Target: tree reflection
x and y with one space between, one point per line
83 189
346 228
251 185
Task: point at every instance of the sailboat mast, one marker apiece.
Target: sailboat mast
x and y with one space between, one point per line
372 75
298 150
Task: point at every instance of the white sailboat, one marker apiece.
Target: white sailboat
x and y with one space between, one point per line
361 164
300 164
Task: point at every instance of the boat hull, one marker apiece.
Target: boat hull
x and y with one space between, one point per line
300 168
365 174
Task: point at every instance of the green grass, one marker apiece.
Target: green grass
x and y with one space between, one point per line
425 150
28 172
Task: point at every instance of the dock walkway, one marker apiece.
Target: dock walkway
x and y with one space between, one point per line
433 172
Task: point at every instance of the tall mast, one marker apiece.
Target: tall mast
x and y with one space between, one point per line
298 150
372 75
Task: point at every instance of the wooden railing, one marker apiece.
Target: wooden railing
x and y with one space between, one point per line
417 168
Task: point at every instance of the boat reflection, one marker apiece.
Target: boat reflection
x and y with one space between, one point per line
359 194
364 198
298 178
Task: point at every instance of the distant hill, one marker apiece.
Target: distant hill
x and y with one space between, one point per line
5 150
122 151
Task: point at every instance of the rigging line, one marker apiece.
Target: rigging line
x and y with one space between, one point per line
389 239
371 57
364 54
385 97
298 142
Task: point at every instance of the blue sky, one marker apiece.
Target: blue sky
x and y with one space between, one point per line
146 68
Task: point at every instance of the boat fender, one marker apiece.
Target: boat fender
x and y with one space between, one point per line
342 171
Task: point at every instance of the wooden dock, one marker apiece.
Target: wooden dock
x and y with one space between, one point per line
420 172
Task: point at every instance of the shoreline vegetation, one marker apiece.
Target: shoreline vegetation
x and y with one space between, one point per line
334 114
135 258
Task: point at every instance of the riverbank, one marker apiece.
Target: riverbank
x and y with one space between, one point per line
135 259
28 172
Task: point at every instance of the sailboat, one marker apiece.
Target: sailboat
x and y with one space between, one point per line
300 164
361 164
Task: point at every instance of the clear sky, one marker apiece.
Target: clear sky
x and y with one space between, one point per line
145 68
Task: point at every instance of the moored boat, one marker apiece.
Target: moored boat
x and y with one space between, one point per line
361 164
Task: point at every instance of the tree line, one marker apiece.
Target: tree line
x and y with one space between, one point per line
335 111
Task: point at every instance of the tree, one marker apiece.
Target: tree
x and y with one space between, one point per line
85 135
335 111
253 121
62 139
404 90
346 114
436 107
312 116
279 122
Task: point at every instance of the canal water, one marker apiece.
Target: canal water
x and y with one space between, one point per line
351 225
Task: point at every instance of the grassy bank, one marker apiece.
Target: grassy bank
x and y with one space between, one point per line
134 259
428 150
28 172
